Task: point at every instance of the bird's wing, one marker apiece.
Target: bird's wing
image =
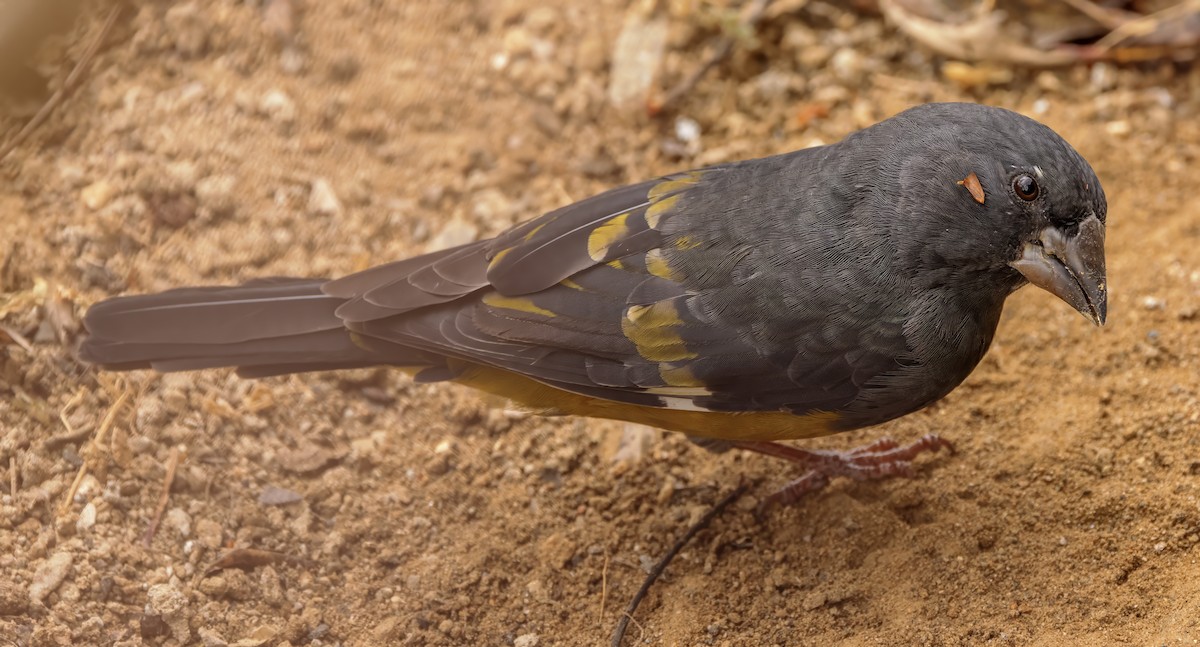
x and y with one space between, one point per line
586 299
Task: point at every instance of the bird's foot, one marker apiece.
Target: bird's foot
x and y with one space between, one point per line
881 459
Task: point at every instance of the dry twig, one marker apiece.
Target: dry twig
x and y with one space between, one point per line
1108 17
977 39
177 455
750 19
1154 29
661 566
603 588
101 432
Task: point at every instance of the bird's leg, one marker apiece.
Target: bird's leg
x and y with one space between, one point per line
881 459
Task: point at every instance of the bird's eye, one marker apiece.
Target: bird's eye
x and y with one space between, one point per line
1026 187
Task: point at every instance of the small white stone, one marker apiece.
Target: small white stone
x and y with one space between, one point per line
278 106
49 576
165 599
322 200
216 192
87 518
1104 77
687 130
179 520
1119 128
456 232
526 640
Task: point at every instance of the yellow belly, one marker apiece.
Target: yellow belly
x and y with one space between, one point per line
547 400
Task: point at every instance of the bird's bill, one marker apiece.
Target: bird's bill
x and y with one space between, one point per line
1070 268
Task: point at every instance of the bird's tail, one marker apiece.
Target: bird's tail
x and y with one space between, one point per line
264 327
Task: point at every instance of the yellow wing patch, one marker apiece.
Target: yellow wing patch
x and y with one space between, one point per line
605 235
674 186
653 329
656 210
665 195
572 285
499 255
533 232
681 376
497 300
656 264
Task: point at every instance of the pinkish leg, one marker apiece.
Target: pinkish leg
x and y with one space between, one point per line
881 459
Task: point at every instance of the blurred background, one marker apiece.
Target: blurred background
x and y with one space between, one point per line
147 145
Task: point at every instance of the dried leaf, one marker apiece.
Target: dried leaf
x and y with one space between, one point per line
246 558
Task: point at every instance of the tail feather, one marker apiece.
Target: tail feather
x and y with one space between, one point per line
217 315
265 327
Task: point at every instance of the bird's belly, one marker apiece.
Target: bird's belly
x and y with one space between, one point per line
750 425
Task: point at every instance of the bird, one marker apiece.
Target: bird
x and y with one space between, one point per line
818 291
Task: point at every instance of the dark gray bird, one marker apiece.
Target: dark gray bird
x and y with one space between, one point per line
818 291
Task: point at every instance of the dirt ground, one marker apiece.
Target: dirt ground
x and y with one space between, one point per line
213 142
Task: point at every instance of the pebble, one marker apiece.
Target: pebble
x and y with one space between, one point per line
210 638
87 518
278 106
813 601
165 599
97 194
49 576
216 193
344 68
12 600
1153 303
635 443
847 64
1048 81
666 491
322 200
293 60
557 550
1118 128
179 520
636 57
272 495
687 130
541 19
189 29
72 175
456 232
1103 77
526 640
592 54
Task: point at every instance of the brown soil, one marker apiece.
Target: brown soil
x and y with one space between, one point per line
201 148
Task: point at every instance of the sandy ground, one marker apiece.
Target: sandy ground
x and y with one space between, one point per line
204 148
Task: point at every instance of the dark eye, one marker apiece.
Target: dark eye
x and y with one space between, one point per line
1026 187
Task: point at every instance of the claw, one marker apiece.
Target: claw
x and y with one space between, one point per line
884 458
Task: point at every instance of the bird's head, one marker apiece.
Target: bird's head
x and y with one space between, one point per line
1000 196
